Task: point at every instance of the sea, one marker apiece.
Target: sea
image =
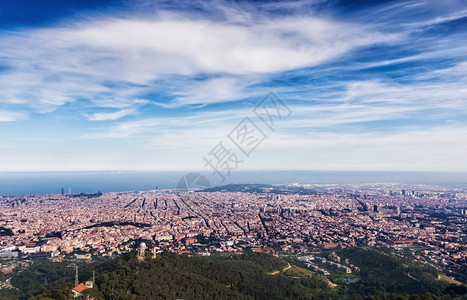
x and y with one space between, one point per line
40 183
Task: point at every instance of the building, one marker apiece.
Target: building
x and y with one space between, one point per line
398 210
8 254
144 251
80 288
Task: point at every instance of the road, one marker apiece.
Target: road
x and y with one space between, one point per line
283 270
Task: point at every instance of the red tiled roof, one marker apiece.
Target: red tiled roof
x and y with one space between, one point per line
80 288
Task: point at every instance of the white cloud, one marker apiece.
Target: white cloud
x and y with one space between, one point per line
110 116
187 46
411 149
121 58
433 149
198 126
214 90
10 116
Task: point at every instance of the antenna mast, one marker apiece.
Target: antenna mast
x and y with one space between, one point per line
76 277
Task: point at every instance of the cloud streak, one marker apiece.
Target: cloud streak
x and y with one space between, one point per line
11 116
110 115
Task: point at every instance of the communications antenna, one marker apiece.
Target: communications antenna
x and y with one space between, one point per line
76 277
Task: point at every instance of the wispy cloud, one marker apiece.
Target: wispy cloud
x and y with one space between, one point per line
110 115
10 116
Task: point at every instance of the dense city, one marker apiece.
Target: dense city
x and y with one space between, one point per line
430 221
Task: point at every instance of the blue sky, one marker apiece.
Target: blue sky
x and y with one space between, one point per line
147 85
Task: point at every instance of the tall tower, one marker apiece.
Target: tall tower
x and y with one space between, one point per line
63 191
76 276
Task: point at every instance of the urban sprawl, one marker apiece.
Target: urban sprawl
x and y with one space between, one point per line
299 219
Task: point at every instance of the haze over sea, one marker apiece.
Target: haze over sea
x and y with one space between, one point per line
32 183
